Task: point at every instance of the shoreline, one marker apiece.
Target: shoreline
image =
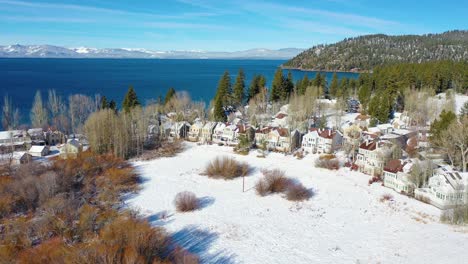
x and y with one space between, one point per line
315 70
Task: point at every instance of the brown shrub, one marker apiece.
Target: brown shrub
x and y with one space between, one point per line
386 197
274 181
327 163
186 202
181 256
226 168
298 192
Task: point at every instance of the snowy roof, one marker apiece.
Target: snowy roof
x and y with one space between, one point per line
37 149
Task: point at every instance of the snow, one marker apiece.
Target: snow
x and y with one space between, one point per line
344 222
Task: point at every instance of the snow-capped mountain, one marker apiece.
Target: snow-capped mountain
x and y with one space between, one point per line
48 51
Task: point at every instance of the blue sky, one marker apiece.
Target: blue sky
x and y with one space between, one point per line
222 25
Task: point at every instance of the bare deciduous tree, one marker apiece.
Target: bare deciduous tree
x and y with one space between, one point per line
39 117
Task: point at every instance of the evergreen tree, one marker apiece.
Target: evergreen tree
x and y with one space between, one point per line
441 124
304 84
277 85
113 105
130 101
464 110
334 85
218 111
239 87
262 82
364 95
104 103
287 87
224 89
169 95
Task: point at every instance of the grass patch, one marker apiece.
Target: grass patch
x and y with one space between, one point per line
186 202
275 181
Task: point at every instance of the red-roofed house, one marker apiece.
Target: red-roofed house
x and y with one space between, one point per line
396 176
322 141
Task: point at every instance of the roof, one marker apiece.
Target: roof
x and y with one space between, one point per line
74 142
283 132
394 166
281 115
37 149
369 145
327 133
362 117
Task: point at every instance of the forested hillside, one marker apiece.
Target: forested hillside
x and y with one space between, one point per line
366 52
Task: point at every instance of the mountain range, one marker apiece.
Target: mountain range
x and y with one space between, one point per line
49 51
366 52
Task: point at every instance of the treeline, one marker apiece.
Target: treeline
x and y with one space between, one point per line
67 115
71 212
364 53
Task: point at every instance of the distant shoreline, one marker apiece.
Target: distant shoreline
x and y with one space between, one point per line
315 70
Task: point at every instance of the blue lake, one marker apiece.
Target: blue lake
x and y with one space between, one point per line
20 78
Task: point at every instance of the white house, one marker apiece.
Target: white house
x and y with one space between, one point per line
396 176
218 133
283 140
179 130
195 131
372 157
261 135
229 136
71 149
446 189
37 136
322 141
16 139
362 120
207 132
54 137
39 151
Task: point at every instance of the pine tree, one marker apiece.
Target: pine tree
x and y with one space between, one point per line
239 87
262 82
169 95
104 103
287 87
364 95
218 111
464 110
224 89
130 101
334 85
304 84
113 105
277 85
441 124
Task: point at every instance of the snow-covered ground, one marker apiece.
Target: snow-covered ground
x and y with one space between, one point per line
344 222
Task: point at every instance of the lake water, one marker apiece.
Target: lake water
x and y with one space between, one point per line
20 78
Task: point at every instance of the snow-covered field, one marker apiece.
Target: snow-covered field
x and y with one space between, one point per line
344 222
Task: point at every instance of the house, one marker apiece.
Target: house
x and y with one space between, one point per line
446 189
322 141
15 140
280 119
396 176
352 139
71 149
385 129
283 140
310 141
15 158
229 136
261 135
54 137
195 131
207 132
362 121
39 151
179 130
353 105
372 157
37 136
246 131
218 133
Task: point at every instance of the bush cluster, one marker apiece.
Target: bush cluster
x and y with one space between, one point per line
275 181
327 161
70 211
186 202
226 168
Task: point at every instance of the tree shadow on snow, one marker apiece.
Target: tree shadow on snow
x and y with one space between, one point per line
199 241
160 219
205 201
